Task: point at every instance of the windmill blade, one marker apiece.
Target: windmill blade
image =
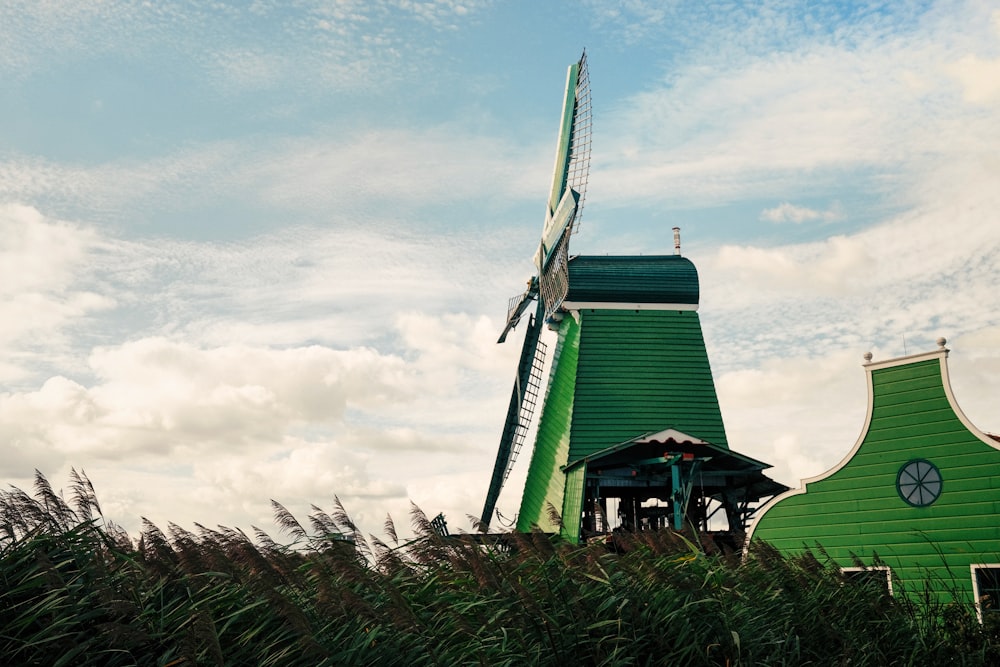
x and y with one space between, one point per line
578 169
523 398
516 307
572 164
553 283
556 226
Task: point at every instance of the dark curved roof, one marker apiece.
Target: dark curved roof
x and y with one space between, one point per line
633 279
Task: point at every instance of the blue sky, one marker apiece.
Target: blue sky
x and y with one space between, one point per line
263 250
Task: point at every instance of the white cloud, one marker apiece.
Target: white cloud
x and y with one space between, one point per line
441 165
980 78
721 128
633 20
788 212
231 372
110 191
200 393
974 365
36 253
370 176
250 424
837 266
800 414
347 45
925 271
304 473
456 340
41 293
155 397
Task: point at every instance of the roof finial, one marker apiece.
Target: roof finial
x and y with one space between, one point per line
868 357
941 342
677 240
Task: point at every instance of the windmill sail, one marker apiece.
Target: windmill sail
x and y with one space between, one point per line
569 185
578 168
553 284
550 285
523 399
516 307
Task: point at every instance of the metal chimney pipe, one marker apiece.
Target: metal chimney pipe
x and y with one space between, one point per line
677 240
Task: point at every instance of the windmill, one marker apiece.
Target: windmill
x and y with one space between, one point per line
630 418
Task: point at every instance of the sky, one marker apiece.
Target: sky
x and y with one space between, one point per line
263 250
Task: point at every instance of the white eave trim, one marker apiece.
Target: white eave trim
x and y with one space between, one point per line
805 482
910 359
621 305
973 429
941 355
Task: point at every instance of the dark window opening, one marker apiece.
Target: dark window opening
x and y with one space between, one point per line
878 578
987 588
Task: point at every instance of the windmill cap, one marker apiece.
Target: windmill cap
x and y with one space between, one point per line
633 278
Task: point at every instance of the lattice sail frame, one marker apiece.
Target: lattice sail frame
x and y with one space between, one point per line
554 271
524 398
551 284
529 399
579 152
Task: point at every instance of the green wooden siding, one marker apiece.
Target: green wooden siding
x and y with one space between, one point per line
618 375
857 509
640 372
545 482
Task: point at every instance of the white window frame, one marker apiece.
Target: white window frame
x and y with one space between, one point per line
870 568
975 584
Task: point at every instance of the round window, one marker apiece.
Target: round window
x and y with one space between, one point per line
919 483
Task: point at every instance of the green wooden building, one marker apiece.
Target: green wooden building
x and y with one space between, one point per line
916 500
631 414
630 424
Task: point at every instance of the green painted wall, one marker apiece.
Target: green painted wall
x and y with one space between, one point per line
545 482
617 375
640 372
858 510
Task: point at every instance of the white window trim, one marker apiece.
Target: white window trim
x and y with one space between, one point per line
882 568
975 584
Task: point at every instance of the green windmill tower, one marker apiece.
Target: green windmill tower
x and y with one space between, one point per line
630 434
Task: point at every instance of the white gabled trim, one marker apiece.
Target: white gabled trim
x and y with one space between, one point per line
973 429
805 482
621 305
909 359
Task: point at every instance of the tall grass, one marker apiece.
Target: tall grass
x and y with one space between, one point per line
76 590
